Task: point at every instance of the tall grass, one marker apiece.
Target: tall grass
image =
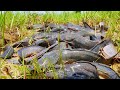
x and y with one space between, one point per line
9 21
2 25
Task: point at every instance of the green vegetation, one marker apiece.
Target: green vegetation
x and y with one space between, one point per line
13 28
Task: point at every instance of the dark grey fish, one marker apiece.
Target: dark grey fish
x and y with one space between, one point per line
80 75
63 36
82 55
105 70
44 35
100 45
61 46
22 43
76 55
39 54
28 51
57 30
45 42
76 71
13 61
107 49
51 57
82 71
83 42
52 25
69 24
8 52
62 26
97 36
78 40
39 35
71 36
73 27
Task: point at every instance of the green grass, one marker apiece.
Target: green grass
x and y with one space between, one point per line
16 23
